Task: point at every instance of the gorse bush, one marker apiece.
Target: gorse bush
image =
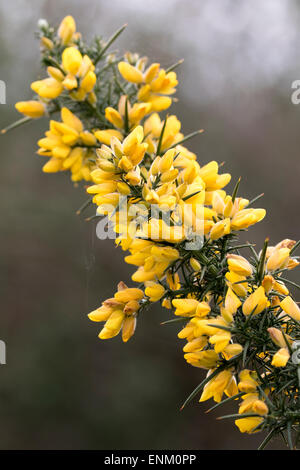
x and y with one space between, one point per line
177 225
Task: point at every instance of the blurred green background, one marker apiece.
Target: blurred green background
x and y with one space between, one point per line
62 387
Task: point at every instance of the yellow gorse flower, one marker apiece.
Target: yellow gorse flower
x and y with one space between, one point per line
154 83
119 313
136 113
278 257
153 126
239 265
248 425
32 109
256 302
154 291
251 403
67 29
248 381
190 307
125 156
203 359
224 382
290 307
230 305
281 357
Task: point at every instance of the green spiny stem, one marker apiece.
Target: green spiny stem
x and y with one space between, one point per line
201 385
173 320
245 351
16 124
174 66
161 136
186 138
234 194
107 66
261 264
226 400
267 439
118 83
290 282
109 42
289 435
295 247
221 327
255 199
238 247
84 206
240 416
126 120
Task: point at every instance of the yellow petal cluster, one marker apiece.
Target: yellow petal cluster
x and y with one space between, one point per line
75 74
119 313
69 147
155 83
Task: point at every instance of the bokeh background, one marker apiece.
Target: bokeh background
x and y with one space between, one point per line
62 387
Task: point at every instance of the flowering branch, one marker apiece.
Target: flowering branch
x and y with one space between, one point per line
177 224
